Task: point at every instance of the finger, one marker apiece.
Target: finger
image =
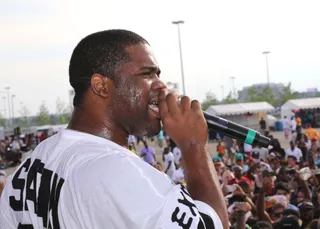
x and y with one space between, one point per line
172 103
195 105
185 103
163 108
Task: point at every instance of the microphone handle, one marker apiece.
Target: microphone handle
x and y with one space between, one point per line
236 131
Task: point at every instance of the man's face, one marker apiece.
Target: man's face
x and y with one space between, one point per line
136 91
277 214
238 173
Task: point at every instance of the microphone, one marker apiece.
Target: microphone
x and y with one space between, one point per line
236 131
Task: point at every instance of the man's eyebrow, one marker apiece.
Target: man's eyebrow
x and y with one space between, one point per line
151 69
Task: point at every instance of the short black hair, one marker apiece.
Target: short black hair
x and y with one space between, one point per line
281 187
99 53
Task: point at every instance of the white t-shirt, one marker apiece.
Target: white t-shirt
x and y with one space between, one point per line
285 123
167 158
293 125
75 180
177 155
296 152
131 139
247 148
178 175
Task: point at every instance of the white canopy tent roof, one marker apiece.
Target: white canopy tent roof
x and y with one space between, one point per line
295 104
240 108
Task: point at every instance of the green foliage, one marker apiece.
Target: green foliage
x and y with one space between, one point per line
287 94
2 120
265 96
209 100
43 115
229 99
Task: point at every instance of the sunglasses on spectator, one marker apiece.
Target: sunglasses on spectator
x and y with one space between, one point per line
278 215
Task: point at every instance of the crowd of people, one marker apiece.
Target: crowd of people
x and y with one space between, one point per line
272 187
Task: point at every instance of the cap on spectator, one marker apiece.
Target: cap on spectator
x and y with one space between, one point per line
314 139
263 225
305 204
267 173
239 156
291 222
217 160
276 201
292 157
255 155
291 210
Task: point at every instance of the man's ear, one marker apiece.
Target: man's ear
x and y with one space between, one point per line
99 85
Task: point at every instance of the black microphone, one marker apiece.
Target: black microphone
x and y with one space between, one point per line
236 131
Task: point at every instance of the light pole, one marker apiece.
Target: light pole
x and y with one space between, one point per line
266 53
180 50
233 86
12 107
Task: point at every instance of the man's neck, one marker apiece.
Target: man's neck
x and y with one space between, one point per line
87 122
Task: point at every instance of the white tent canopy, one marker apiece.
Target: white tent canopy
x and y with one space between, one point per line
240 108
296 104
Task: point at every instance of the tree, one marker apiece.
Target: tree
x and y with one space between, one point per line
2 120
61 110
229 99
24 113
209 100
43 115
287 94
265 96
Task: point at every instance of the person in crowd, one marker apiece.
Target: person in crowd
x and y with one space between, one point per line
277 149
220 149
286 127
178 175
177 156
293 126
239 159
147 153
131 141
311 133
160 139
168 158
293 150
263 125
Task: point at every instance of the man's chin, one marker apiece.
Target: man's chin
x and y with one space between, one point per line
154 128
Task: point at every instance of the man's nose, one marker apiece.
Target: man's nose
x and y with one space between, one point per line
158 85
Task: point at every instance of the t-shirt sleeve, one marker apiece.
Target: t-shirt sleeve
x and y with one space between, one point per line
122 193
181 211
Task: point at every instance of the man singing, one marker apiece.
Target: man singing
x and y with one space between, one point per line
85 177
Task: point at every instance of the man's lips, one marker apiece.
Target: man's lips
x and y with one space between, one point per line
154 107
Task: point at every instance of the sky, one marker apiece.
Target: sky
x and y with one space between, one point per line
219 39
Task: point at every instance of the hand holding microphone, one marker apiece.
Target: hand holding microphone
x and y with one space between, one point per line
184 122
222 126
